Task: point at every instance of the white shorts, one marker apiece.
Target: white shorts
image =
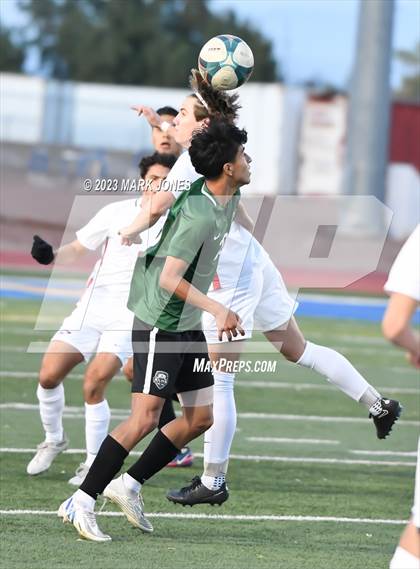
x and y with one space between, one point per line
101 325
416 506
264 304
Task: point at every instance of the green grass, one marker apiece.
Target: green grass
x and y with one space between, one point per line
265 487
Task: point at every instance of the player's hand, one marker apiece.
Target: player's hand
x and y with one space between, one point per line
42 251
149 114
228 322
128 237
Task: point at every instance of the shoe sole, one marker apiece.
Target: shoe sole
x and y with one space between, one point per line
66 520
214 502
115 499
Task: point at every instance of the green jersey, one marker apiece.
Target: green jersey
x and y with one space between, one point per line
195 231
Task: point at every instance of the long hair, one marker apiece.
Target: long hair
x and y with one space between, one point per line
217 104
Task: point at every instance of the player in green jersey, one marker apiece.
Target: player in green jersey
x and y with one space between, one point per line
168 295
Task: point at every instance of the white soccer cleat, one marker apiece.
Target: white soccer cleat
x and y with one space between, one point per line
129 502
45 456
83 520
80 474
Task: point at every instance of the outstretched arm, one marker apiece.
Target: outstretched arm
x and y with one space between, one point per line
43 252
158 205
171 279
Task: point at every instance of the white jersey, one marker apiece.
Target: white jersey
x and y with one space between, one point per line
241 252
404 276
113 271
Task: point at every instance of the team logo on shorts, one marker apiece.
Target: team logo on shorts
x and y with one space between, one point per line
161 379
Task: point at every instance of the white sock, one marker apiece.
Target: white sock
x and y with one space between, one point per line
218 439
97 418
84 501
403 559
337 369
131 483
213 482
51 406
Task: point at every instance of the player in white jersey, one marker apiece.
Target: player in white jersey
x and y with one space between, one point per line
100 325
250 285
403 286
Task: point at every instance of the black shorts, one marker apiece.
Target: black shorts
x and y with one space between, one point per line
182 367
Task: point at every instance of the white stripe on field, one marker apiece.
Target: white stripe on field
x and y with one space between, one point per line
247 457
298 441
76 412
226 517
383 453
239 383
313 386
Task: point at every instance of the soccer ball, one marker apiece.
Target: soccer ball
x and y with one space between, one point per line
226 62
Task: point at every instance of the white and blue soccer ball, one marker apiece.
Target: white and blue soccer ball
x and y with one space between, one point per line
226 62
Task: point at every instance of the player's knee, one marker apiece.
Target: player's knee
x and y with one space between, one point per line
94 384
201 424
93 391
49 377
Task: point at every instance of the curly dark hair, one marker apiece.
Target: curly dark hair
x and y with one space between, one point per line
220 104
167 160
213 147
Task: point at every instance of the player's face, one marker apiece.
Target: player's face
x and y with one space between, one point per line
241 173
164 142
156 174
185 123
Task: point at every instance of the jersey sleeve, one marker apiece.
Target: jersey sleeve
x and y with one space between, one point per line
181 176
94 233
189 234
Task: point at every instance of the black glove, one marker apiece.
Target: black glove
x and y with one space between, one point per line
42 251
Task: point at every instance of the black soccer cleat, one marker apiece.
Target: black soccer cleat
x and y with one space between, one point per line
388 412
197 493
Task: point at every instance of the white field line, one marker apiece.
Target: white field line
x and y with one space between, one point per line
359 339
293 441
78 412
248 458
383 453
239 383
365 351
224 517
313 386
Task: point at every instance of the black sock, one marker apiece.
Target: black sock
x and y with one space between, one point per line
168 414
107 463
157 455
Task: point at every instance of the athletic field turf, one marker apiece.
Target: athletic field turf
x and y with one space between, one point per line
311 486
